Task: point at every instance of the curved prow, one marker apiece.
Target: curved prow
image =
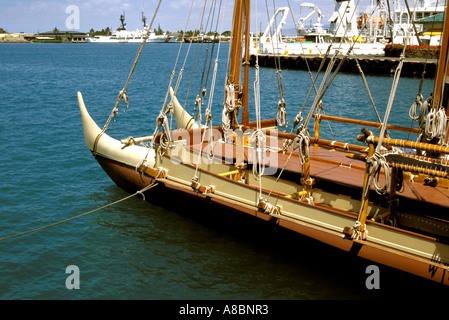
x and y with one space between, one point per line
91 129
108 147
183 119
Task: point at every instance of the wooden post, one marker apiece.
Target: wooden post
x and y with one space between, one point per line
366 186
316 129
307 181
360 227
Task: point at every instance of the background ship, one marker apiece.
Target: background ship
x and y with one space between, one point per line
121 35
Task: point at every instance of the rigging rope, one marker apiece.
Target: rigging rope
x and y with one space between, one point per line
258 138
281 116
208 111
202 88
83 214
122 94
378 160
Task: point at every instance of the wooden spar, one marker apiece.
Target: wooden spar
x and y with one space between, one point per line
321 142
245 115
236 49
442 71
234 69
409 144
441 89
366 123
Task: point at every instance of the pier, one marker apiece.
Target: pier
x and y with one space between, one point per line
372 65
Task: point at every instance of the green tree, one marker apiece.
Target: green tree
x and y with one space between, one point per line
159 30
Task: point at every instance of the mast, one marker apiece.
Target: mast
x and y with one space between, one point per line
245 115
441 88
241 15
441 78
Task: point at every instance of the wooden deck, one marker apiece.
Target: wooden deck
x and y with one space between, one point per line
334 167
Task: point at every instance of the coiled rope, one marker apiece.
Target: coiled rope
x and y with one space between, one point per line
435 126
83 214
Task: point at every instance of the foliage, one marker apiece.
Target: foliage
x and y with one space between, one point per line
103 32
192 33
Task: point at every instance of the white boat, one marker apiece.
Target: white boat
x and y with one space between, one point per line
131 37
121 35
404 31
341 36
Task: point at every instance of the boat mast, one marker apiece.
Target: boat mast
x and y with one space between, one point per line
441 88
241 10
245 115
441 79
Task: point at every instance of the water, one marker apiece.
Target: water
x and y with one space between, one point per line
135 250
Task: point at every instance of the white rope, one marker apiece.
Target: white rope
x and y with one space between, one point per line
440 125
418 104
378 161
302 142
258 140
228 108
435 126
281 116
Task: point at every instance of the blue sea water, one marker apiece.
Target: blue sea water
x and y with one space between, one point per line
135 250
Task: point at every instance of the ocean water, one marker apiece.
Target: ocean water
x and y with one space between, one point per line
135 250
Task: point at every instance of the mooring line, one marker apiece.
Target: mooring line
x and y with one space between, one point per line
83 214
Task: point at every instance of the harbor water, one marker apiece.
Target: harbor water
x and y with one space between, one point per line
133 249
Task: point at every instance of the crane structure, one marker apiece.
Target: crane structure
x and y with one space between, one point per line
318 26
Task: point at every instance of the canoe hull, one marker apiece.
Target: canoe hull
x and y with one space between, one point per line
214 207
413 253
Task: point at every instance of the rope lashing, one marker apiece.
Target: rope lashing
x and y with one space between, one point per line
258 141
301 142
435 126
123 95
359 234
378 162
298 119
228 108
267 208
418 104
281 114
162 122
198 103
440 125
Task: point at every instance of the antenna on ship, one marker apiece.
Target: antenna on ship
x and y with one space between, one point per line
122 21
144 20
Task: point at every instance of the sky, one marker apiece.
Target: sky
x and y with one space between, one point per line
33 16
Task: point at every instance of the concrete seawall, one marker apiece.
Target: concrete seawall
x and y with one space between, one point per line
373 65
